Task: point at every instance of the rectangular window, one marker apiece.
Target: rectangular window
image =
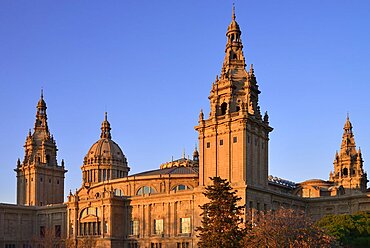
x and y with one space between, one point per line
58 231
250 204
208 145
42 231
248 138
134 227
221 142
185 225
158 226
235 139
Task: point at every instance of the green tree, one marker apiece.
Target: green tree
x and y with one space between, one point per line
352 230
222 222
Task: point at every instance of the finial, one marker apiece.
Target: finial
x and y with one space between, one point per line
251 70
266 117
183 154
105 116
233 12
201 115
29 132
42 93
62 162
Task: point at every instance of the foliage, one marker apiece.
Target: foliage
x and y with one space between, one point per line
352 230
81 242
285 228
46 239
222 224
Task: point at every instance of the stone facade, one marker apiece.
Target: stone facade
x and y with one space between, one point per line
160 208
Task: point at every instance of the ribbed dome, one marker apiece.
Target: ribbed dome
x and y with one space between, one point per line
104 160
106 149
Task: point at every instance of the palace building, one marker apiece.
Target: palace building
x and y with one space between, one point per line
160 208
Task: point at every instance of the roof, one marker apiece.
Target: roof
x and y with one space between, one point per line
170 171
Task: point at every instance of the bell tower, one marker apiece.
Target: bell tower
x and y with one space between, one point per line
40 180
348 163
233 141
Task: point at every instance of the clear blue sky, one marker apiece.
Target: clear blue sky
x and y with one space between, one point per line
151 64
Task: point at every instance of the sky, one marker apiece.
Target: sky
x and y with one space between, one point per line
151 64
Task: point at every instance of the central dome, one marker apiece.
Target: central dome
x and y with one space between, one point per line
105 159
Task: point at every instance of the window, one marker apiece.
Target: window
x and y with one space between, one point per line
9 245
345 172
185 225
58 231
42 231
208 145
90 228
180 187
183 245
223 108
134 227
221 142
158 226
146 190
235 139
118 192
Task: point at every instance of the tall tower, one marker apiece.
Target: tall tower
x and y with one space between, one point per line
104 160
233 141
348 164
40 180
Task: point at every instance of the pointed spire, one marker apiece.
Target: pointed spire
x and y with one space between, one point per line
105 128
233 12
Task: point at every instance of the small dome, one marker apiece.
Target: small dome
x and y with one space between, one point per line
234 26
41 103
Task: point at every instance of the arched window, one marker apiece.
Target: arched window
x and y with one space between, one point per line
146 190
118 192
223 108
345 172
180 187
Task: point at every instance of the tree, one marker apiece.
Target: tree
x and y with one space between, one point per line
351 230
46 239
285 228
222 223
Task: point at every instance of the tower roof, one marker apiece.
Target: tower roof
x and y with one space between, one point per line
234 26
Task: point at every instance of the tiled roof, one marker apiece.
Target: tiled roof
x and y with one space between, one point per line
170 171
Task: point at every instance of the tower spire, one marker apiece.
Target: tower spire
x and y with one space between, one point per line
233 12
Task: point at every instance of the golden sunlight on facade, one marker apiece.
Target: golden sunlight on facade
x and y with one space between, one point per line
159 208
